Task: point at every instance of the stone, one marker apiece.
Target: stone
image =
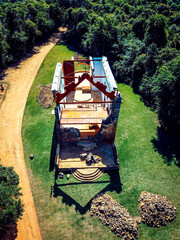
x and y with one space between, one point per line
87 146
156 210
89 158
61 175
96 159
69 134
137 220
31 156
83 156
115 216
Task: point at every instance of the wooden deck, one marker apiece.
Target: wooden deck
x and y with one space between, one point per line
76 116
85 113
70 157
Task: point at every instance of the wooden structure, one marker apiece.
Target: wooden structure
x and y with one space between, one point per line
87 110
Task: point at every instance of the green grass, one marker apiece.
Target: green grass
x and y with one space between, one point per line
64 212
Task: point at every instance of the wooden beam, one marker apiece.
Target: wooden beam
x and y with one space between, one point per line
80 123
71 87
80 118
86 60
83 71
95 102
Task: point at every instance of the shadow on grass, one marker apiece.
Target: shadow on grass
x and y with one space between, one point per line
71 46
53 150
167 147
114 185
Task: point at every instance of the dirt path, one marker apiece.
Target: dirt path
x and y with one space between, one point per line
11 148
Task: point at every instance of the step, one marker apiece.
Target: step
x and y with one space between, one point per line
79 174
89 179
86 177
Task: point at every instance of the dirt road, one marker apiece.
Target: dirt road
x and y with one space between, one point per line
20 79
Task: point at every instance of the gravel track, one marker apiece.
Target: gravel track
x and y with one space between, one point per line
20 79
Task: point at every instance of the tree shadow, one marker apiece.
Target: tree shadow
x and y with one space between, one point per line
114 185
71 46
53 150
2 74
167 147
10 232
34 49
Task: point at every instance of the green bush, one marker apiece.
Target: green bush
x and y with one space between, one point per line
11 207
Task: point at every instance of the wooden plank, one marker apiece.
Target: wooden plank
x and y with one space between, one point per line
83 72
79 123
82 164
85 102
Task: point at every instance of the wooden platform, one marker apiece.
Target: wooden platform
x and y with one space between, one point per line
69 158
82 116
87 175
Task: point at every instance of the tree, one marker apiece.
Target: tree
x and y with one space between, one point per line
156 31
138 70
139 27
11 207
151 59
131 48
102 33
167 90
4 47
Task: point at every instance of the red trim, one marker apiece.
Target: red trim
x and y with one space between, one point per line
71 87
82 64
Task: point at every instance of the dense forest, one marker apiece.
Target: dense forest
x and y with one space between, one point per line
141 39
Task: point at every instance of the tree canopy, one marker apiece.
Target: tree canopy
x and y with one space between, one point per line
140 38
11 207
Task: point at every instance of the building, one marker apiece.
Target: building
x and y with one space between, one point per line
87 111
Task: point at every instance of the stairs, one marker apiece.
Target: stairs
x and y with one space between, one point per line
88 174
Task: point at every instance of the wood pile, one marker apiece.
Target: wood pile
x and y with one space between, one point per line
156 210
45 97
115 216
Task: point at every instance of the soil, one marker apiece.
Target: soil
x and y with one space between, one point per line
20 79
45 97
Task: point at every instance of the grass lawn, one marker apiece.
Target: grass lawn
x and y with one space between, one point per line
63 206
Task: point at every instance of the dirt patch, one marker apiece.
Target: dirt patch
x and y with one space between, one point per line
45 97
115 216
20 79
156 210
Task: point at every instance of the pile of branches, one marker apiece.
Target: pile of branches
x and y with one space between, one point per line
156 210
45 97
115 216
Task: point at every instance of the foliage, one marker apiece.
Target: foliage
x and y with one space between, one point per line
168 91
11 207
156 31
63 205
24 23
140 38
